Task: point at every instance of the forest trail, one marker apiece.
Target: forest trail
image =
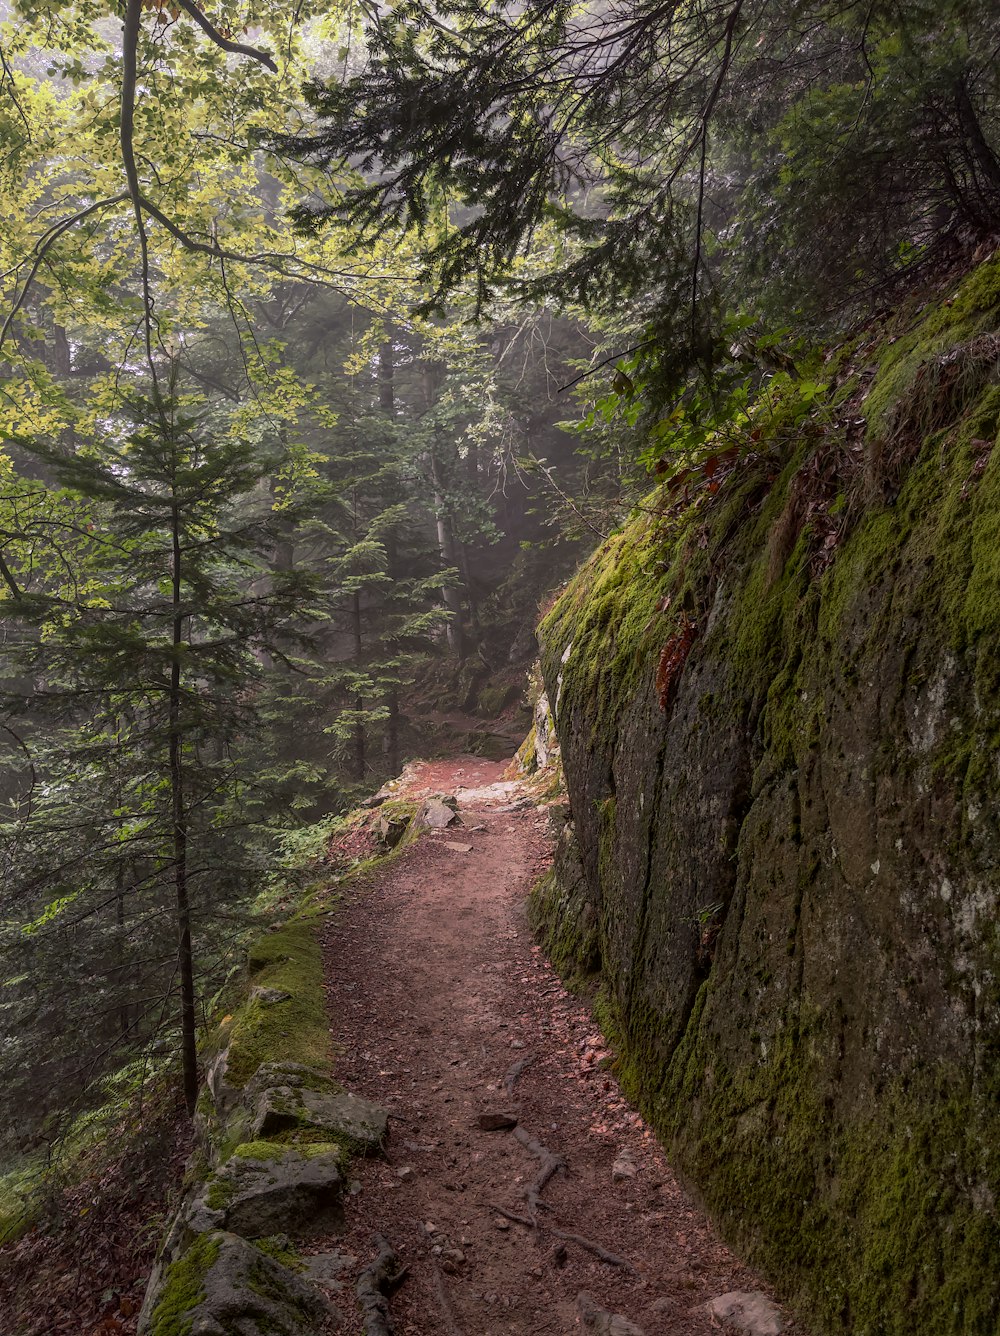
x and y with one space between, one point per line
438 995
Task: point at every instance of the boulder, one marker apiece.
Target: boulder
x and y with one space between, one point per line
599 1322
438 813
342 1116
752 1313
287 1193
224 1286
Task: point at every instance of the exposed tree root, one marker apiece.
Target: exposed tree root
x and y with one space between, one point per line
602 1254
551 1164
445 1303
522 1064
511 1215
376 1284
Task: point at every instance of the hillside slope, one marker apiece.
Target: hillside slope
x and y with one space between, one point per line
777 700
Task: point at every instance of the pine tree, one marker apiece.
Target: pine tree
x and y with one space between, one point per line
145 652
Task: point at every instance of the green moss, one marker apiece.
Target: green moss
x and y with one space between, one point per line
20 1199
301 1142
280 1250
567 928
184 1288
289 959
867 1193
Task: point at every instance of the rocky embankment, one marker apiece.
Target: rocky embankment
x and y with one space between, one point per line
777 692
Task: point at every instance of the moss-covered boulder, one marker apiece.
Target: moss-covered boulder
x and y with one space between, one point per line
266 1189
778 708
286 1097
224 1286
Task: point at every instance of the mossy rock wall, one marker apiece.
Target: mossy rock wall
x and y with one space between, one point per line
790 851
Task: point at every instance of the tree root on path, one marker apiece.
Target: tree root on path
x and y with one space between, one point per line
602 1254
510 1215
376 1284
512 1077
445 1303
588 1245
551 1164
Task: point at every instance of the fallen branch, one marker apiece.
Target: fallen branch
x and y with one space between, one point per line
602 1254
376 1284
522 1064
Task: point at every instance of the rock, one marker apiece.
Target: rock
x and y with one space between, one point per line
458 848
328 1268
290 1193
623 1168
224 1286
438 813
295 1074
405 1173
224 1096
269 997
663 1305
750 1312
600 1322
496 1122
391 828
340 1114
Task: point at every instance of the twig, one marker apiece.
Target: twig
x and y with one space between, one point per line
612 1259
522 1064
376 1284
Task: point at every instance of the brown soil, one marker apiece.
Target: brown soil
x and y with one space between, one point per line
436 992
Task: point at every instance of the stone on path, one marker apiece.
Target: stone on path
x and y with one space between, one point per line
623 1167
496 1122
599 1322
752 1313
438 813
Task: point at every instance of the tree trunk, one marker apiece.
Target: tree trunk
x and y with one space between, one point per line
359 704
185 957
387 405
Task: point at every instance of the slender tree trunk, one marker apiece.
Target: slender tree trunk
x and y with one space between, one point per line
185 959
387 404
120 945
450 595
359 704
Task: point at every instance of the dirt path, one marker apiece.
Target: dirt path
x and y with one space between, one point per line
437 992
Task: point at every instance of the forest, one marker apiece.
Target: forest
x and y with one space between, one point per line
334 337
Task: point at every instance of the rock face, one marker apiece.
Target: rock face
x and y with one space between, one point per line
781 757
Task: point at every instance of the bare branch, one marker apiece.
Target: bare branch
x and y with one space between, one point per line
237 48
